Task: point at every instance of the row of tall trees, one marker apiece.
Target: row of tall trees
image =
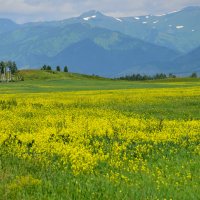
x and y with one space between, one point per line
7 70
65 69
139 77
8 66
58 68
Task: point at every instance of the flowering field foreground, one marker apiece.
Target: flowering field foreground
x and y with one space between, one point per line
115 144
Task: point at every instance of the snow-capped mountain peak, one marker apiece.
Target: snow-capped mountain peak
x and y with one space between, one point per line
91 13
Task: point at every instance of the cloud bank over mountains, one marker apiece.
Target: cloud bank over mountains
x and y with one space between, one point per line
36 10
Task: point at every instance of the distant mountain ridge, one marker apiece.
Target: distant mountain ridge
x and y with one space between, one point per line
7 25
116 59
178 30
189 62
94 43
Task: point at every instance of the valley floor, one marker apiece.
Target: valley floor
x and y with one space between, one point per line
100 139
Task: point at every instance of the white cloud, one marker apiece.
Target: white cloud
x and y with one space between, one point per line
34 10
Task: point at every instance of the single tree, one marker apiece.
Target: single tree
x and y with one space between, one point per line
2 66
13 67
49 68
171 75
194 75
58 68
65 69
44 67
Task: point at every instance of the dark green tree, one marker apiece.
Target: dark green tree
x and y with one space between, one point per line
172 75
160 76
44 67
49 68
58 68
13 67
194 75
2 67
66 69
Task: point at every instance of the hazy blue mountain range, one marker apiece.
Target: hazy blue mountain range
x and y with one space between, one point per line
179 30
7 25
117 58
189 62
97 44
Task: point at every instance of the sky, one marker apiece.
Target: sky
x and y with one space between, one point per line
22 11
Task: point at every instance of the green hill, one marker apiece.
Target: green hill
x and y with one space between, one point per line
41 75
38 81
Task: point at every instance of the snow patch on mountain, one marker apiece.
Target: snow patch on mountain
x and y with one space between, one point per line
175 11
164 14
118 19
160 15
88 18
137 18
179 27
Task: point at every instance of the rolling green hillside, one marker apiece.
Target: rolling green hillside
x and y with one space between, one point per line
35 75
36 81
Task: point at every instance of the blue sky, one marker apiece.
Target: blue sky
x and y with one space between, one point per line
34 10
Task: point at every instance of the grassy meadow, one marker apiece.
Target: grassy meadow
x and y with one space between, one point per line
71 136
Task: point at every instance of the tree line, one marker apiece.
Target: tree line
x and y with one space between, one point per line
139 77
58 68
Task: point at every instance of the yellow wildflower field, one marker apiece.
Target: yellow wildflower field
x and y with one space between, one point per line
128 138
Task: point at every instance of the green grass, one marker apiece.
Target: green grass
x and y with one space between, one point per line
54 75
43 81
61 184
